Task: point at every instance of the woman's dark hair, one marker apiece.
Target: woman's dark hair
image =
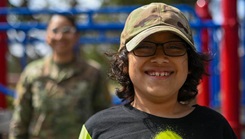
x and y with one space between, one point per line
196 66
70 17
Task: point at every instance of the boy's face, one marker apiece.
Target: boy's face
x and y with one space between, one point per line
158 77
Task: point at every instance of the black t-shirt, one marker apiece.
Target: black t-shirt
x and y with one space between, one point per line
126 122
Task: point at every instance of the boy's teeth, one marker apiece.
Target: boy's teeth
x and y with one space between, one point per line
159 73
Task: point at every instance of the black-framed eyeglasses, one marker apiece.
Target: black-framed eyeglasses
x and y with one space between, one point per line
64 30
172 48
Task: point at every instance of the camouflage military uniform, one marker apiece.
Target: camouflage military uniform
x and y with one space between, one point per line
55 100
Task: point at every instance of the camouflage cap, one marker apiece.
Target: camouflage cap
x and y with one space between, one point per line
152 18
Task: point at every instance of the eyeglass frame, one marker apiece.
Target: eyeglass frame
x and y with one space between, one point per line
163 48
64 30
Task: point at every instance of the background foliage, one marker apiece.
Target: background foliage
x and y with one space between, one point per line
94 52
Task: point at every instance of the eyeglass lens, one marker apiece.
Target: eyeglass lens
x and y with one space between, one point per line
64 30
174 48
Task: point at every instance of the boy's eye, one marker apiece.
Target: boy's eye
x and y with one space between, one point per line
174 47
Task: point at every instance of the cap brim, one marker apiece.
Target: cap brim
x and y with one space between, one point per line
142 35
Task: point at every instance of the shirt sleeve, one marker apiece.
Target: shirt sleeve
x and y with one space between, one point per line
84 134
228 132
23 109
